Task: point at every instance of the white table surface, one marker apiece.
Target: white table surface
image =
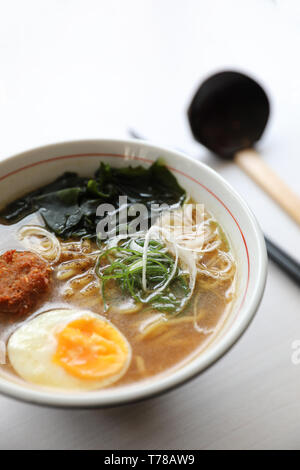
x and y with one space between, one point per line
72 69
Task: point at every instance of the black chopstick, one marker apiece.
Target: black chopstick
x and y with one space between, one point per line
288 264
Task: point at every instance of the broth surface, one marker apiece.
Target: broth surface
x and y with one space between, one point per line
158 346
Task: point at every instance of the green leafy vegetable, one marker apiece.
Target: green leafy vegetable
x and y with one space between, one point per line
69 204
20 208
125 266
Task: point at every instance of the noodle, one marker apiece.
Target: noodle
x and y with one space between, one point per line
140 362
2 352
153 328
77 268
41 241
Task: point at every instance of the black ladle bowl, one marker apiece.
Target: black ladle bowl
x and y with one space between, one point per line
228 113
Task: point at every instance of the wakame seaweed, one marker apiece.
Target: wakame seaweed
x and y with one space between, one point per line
68 205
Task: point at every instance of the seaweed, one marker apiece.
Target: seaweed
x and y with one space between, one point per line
69 204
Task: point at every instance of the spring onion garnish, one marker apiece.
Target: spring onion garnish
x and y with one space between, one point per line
143 268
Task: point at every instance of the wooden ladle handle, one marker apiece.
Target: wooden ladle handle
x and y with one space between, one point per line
250 161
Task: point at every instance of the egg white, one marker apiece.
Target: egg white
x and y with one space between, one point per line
31 348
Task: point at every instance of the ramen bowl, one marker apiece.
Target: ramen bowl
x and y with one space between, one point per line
24 172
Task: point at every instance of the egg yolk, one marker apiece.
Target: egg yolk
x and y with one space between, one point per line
91 348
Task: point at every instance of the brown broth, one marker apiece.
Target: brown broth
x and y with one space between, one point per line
169 347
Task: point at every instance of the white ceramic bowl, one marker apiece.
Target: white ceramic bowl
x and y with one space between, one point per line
31 169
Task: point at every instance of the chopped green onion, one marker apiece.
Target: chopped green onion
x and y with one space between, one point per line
166 292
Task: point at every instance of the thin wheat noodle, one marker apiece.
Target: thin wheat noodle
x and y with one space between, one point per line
48 246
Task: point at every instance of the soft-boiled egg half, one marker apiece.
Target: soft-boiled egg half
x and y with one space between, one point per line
71 349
